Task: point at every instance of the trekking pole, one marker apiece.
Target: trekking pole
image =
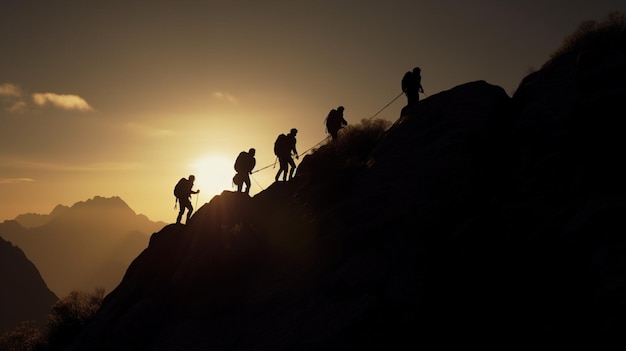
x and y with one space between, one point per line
197 196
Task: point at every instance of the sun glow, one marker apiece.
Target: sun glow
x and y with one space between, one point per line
214 174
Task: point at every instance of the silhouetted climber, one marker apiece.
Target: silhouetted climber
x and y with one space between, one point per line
183 192
284 147
412 86
335 121
244 164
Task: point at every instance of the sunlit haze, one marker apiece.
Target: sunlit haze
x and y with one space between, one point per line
123 98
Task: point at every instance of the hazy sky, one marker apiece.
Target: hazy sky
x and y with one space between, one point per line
123 98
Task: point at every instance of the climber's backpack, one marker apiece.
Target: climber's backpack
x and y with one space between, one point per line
241 162
179 188
281 145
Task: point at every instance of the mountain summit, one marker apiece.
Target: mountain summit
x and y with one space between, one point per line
476 216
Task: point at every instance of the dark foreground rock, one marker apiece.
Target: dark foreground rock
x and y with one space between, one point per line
24 295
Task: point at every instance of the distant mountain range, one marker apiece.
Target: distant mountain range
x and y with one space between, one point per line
23 293
85 246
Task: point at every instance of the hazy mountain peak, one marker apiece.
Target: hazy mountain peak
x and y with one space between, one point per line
59 209
32 220
99 202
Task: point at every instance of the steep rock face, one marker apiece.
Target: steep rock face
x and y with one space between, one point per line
308 263
478 216
24 295
567 138
564 203
435 179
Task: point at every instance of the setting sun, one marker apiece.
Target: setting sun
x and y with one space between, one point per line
214 174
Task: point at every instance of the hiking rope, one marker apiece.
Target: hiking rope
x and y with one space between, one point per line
309 149
257 183
376 114
328 137
260 169
390 102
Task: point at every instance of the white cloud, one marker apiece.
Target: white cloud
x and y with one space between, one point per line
15 180
11 90
11 98
17 106
64 101
225 96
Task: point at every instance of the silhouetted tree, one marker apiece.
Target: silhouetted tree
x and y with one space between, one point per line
593 35
359 140
348 154
25 337
69 315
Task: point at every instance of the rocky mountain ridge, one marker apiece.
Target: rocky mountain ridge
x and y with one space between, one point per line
479 218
